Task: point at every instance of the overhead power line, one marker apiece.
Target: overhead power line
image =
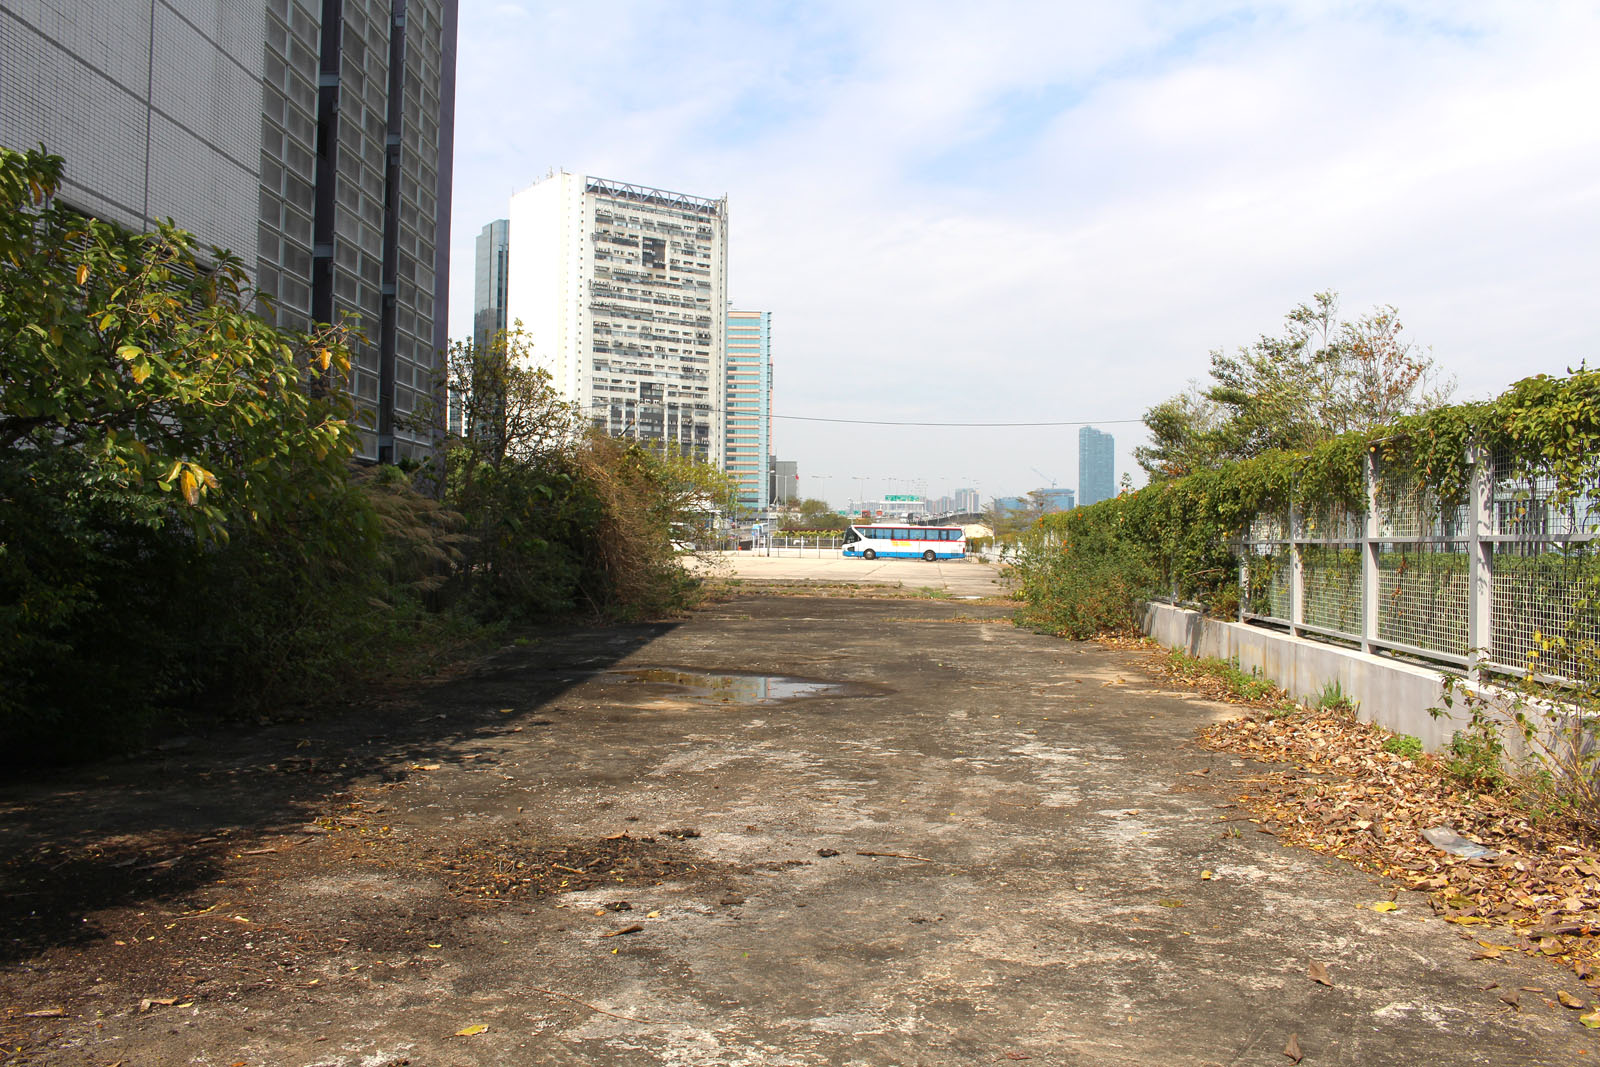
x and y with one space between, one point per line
884 422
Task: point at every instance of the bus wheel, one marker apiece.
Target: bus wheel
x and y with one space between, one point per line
929 555
869 554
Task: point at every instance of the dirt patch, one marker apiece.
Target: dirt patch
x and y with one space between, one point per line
351 894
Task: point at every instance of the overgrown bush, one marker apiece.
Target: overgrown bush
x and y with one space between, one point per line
562 518
1078 579
174 490
183 535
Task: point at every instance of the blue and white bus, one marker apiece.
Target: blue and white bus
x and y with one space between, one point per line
869 541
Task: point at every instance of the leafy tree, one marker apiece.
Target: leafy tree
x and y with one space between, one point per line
560 515
1322 377
134 361
813 514
1183 434
147 421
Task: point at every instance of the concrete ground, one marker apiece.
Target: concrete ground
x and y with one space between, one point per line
983 846
957 578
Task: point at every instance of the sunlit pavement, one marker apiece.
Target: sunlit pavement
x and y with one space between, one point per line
965 577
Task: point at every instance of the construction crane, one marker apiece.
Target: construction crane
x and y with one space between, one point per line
1043 475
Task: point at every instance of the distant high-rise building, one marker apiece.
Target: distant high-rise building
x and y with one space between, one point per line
488 306
1054 499
489 288
1097 463
967 501
749 406
311 138
622 290
785 477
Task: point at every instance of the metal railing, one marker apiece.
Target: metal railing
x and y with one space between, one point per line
1480 586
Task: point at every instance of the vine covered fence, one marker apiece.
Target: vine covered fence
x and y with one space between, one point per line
1489 583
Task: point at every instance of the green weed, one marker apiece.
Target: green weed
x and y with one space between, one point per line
1403 745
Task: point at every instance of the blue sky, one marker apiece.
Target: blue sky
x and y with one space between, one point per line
1054 211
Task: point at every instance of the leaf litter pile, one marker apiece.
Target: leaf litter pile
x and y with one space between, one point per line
1346 796
506 869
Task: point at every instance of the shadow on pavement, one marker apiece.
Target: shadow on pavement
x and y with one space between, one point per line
158 825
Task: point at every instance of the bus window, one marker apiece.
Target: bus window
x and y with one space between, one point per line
851 535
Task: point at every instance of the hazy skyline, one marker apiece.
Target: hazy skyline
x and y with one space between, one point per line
1053 212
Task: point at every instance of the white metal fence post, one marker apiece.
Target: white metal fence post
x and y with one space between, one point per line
1370 533
1480 563
1297 574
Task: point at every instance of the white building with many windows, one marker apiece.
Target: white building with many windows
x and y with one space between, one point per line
749 406
622 290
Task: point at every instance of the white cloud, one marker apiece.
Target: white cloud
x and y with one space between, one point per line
1038 211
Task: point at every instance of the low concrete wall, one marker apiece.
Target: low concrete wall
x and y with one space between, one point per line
1394 695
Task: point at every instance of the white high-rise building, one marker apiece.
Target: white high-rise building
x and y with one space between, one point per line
622 291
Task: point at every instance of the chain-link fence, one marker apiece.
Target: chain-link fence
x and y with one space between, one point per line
1508 580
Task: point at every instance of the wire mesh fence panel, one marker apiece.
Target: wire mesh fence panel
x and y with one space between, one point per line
1407 509
1266 529
1422 596
1544 613
1333 523
1332 585
1529 505
1268 592
1542 576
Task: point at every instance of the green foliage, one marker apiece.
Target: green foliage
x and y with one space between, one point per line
1077 578
1322 378
560 518
1404 745
1180 529
813 516
1334 698
173 478
182 534
134 369
1475 759
1248 687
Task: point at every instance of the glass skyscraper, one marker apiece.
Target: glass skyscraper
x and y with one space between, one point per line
489 289
749 406
1097 466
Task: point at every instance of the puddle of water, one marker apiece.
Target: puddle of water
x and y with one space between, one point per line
728 689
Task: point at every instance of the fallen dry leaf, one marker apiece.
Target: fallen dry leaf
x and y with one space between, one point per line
1343 795
472 1031
1292 1049
1319 973
635 928
1569 1001
47 1013
147 1003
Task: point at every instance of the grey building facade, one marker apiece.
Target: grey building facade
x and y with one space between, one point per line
1097 466
784 481
312 138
